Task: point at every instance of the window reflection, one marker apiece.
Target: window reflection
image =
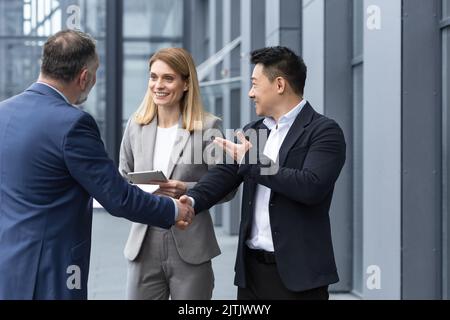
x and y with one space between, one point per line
25 26
149 25
150 18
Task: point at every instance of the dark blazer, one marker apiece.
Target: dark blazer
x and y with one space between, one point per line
52 161
310 161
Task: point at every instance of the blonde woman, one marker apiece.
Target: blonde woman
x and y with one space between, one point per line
160 136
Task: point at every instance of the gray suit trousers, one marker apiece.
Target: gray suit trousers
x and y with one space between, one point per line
159 272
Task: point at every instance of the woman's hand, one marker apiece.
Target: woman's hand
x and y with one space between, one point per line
173 188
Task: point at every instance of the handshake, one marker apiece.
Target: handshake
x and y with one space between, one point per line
186 213
176 189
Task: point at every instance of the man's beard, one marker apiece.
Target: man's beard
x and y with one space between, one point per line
83 97
81 100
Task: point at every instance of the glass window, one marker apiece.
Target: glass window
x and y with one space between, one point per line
153 18
149 25
446 8
25 25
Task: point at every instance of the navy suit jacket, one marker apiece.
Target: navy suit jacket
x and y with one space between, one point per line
310 161
52 162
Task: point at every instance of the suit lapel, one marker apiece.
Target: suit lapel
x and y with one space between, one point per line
295 132
178 147
148 140
250 182
297 129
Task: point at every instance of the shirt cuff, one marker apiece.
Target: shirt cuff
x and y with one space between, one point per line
176 209
192 201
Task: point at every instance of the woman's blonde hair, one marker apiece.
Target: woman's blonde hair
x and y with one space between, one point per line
191 105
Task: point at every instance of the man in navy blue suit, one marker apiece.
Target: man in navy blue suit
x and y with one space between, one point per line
52 162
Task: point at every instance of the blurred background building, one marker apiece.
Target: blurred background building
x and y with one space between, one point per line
380 68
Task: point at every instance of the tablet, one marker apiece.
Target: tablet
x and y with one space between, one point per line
145 177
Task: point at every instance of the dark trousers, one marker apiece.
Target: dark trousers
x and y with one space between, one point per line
264 282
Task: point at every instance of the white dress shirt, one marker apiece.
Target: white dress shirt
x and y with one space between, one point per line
261 234
165 140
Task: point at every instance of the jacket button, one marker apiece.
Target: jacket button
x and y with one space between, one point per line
249 203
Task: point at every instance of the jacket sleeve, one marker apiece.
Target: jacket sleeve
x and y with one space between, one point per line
88 163
215 186
212 149
314 181
220 183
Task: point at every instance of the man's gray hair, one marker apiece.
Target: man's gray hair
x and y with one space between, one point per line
66 53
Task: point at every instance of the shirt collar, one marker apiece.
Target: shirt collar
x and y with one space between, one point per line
288 118
59 92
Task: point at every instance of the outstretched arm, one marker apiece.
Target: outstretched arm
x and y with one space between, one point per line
90 166
214 186
309 185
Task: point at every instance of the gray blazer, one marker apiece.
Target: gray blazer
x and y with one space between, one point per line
197 244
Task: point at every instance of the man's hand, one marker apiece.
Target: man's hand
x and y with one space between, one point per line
237 151
173 188
185 213
186 199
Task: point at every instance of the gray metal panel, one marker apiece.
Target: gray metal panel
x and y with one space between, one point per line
231 102
421 236
219 33
253 37
187 36
232 216
283 23
313 51
213 28
114 77
194 33
290 24
446 158
358 179
218 209
358 146
272 22
291 38
235 26
382 150
338 106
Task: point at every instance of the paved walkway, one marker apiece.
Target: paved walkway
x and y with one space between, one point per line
108 266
